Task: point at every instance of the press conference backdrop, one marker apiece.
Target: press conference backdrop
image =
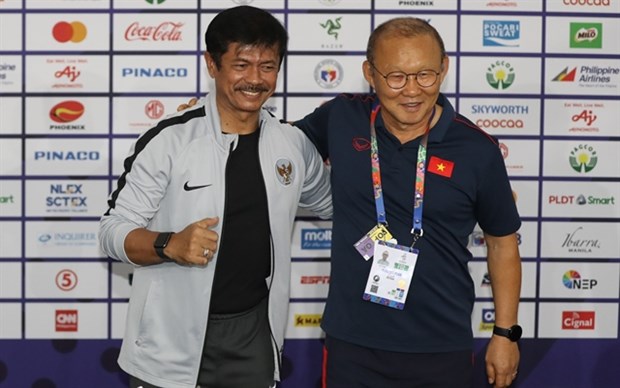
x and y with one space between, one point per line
80 79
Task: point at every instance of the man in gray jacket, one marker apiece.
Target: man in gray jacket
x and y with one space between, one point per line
204 212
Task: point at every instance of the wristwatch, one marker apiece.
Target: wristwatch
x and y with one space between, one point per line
160 243
513 334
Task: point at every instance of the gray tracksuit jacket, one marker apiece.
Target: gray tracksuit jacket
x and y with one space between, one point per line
169 305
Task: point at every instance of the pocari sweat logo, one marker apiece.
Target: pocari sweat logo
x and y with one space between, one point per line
506 33
319 238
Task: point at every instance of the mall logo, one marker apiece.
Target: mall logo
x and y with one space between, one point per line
74 32
328 74
66 320
578 320
583 158
504 33
573 281
316 238
586 35
500 75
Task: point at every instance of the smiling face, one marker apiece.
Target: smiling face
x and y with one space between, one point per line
245 79
406 110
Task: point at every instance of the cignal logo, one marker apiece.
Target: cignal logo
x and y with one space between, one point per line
500 75
583 158
586 35
504 33
328 74
66 111
154 109
316 279
73 32
488 320
319 238
66 320
565 75
308 320
578 320
573 281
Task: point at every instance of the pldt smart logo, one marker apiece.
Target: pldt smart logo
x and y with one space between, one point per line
504 33
316 239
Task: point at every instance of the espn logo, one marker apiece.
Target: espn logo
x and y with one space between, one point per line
315 279
66 320
578 320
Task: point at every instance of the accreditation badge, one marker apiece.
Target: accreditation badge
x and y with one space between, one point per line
390 274
366 245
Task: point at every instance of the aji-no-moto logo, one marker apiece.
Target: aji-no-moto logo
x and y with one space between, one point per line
66 111
583 158
500 75
328 74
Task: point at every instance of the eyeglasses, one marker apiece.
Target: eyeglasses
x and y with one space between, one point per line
398 79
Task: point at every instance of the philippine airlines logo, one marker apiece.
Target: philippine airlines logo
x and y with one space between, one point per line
566 75
66 279
66 320
166 31
500 75
583 158
501 33
66 111
65 32
154 109
586 35
578 320
328 74
573 281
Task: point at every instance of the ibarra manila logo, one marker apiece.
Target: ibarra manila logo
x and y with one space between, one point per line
583 158
586 35
500 75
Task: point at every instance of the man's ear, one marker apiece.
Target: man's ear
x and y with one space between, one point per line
211 67
368 73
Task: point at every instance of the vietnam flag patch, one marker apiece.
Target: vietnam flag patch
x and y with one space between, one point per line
440 166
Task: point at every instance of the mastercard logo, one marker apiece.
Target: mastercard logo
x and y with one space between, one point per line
66 111
64 32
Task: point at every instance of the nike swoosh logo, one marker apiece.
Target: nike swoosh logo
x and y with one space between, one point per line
187 187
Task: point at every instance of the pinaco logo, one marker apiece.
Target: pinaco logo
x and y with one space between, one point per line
74 32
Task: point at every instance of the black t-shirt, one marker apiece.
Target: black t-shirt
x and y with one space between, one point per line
244 258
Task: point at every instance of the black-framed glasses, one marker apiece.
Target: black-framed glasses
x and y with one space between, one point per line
398 79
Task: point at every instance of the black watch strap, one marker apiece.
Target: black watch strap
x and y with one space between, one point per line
513 333
161 242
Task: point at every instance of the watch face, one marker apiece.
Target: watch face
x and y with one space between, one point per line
515 333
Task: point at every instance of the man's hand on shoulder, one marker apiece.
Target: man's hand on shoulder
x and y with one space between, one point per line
188 105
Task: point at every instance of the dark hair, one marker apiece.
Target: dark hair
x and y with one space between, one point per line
407 27
245 25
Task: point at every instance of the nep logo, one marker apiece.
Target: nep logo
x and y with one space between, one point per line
66 320
583 158
488 320
308 320
586 35
316 239
500 75
501 33
578 320
328 74
572 280
64 32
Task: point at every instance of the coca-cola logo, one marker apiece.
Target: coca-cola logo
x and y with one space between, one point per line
166 31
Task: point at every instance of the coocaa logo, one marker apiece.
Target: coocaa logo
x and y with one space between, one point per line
316 239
